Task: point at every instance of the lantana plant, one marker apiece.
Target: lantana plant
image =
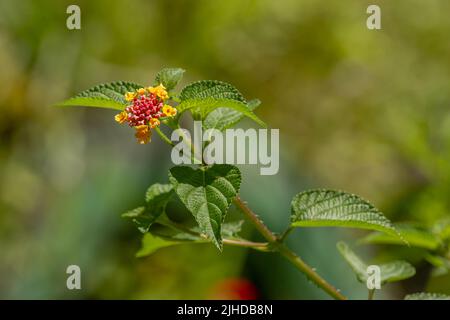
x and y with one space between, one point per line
208 190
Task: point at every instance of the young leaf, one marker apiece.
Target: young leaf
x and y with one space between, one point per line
152 243
413 236
169 77
389 272
329 208
427 296
157 197
207 193
139 217
357 265
396 271
202 107
108 95
224 118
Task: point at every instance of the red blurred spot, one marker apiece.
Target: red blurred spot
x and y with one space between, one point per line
234 289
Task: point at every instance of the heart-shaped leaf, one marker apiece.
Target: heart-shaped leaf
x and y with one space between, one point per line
207 193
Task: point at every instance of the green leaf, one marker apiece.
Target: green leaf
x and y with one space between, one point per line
139 217
152 243
169 77
389 272
224 118
329 208
415 237
202 107
157 197
203 97
207 193
396 271
211 89
427 296
108 95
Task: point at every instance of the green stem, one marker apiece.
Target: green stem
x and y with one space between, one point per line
262 246
259 225
371 294
285 234
274 242
164 137
286 252
190 145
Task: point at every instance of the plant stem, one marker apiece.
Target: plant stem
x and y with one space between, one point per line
164 137
273 241
188 141
262 246
285 234
371 294
259 225
286 252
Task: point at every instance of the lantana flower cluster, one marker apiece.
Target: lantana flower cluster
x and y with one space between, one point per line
145 111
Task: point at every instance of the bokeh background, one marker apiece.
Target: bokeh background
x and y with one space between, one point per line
358 110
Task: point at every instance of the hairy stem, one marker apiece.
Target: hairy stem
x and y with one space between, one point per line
274 242
286 252
371 294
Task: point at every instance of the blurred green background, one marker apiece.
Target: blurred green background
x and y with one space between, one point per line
358 110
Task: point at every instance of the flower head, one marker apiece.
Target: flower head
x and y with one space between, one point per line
146 108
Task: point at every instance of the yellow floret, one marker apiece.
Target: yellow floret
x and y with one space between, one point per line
143 134
159 91
154 122
169 111
129 96
121 117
